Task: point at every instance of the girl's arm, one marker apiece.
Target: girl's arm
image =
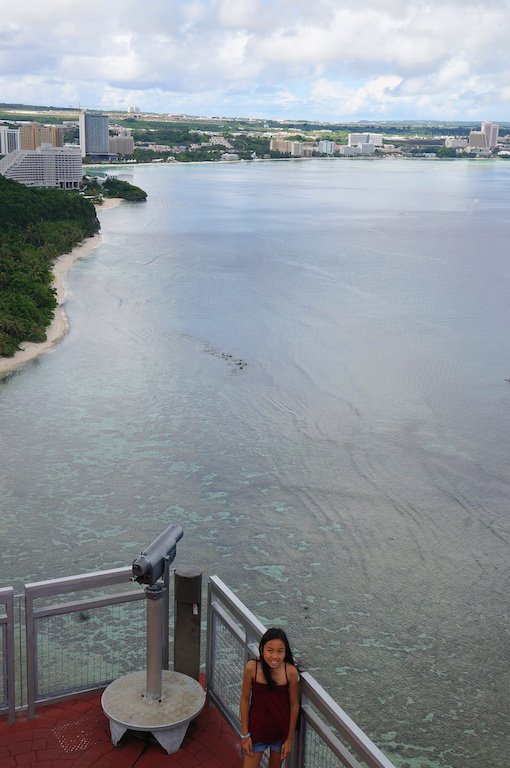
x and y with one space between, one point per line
244 705
294 709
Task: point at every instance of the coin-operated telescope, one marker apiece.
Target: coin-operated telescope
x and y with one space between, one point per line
169 700
149 566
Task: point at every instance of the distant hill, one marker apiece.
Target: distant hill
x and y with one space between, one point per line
26 106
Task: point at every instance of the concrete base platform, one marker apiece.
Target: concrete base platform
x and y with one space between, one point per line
125 705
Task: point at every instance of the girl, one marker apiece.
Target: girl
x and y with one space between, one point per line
269 719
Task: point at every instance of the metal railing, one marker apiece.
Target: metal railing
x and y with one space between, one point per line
326 736
81 645
7 691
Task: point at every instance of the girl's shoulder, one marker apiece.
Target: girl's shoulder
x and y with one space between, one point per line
251 667
292 671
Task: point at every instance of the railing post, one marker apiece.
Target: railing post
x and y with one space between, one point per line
298 752
209 637
7 627
188 609
31 654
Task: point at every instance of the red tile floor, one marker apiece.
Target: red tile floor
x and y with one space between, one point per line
76 734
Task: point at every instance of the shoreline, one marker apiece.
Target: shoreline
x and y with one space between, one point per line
59 326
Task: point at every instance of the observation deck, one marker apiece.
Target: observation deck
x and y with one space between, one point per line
76 734
64 641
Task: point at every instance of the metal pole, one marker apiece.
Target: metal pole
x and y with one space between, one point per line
165 639
188 604
154 594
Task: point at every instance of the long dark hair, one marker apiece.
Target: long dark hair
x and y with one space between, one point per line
275 633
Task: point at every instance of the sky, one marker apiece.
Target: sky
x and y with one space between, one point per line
325 60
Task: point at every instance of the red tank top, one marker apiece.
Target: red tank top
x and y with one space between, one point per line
269 715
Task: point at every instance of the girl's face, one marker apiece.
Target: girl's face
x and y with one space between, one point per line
273 653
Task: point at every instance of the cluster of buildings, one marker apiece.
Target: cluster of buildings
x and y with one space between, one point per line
35 154
480 143
484 140
357 144
300 148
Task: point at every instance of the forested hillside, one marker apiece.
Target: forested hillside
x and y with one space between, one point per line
36 226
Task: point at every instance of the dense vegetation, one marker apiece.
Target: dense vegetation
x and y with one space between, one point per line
118 188
36 226
168 135
112 188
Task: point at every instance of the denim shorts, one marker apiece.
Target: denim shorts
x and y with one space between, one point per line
260 746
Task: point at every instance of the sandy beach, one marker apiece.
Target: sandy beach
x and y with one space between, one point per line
59 325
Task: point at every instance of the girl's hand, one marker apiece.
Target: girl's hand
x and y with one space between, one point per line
247 746
286 749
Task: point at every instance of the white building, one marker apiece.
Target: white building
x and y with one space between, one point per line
353 139
359 149
491 130
45 166
326 147
94 134
346 151
9 139
220 141
450 141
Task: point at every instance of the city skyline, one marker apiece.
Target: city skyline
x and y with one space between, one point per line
285 59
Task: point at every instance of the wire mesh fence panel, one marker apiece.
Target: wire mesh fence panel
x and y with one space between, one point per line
316 753
86 648
3 658
228 665
20 657
7 652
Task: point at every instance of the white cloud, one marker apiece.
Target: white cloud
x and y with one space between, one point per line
347 101
392 58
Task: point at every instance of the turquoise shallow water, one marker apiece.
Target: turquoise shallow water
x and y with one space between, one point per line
303 364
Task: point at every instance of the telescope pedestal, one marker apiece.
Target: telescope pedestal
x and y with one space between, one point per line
125 705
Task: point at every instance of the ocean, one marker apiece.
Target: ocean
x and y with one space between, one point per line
304 364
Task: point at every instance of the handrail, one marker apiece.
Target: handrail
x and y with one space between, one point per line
325 731
313 692
64 585
75 583
224 607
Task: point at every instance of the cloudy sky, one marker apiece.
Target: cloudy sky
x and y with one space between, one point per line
331 60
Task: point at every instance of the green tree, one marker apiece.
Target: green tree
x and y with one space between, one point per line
446 152
36 226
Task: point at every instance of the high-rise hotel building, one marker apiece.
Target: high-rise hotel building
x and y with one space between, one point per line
491 130
35 134
45 166
93 134
9 139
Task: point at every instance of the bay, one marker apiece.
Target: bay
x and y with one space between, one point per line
303 363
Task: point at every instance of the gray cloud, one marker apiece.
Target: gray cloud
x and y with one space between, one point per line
269 57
